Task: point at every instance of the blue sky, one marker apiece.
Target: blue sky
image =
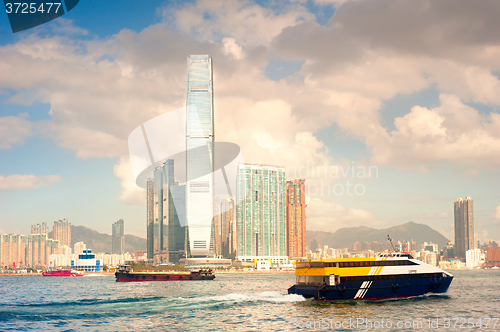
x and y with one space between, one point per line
295 84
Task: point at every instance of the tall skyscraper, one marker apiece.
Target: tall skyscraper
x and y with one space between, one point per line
296 218
199 155
62 231
261 215
165 209
175 209
464 226
118 238
160 216
150 214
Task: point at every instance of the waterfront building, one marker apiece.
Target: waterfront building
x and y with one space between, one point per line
12 250
62 231
86 262
464 226
473 258
40 229
27 250
150 203
492 257
296 218
261 213
199 156
118 238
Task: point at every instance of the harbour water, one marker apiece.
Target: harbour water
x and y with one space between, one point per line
236 302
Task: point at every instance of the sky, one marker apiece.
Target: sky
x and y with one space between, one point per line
388 109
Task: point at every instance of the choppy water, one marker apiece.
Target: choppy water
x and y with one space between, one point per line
231 302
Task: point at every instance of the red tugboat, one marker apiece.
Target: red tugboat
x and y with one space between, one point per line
124 273
62 273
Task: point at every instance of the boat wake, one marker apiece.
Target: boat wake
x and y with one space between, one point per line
182 303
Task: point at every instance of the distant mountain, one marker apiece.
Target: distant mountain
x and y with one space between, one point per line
344 237
100 242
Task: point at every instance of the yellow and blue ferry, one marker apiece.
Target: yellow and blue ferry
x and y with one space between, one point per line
389 275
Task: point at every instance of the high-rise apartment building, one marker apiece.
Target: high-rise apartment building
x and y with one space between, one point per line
62 231
118 238
12 250
464 226
296 218
261 213
199 156
27 250
40 228
150 204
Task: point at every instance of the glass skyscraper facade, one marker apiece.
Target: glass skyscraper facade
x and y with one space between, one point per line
199 156
261 213
464 226
166 237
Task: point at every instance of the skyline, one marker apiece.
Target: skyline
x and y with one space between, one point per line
292 89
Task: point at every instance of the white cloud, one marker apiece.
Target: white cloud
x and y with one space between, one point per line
231 47
330 216
100 90
452 132
17 181
249 23
14 130
131 193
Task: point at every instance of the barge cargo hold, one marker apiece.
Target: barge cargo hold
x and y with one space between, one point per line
124 274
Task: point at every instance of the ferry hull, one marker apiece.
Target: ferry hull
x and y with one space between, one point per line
130 277
373 290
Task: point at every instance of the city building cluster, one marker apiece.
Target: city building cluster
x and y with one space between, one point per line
260 219
188 223
38 251
34 250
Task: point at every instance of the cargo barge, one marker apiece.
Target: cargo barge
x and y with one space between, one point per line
125 274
